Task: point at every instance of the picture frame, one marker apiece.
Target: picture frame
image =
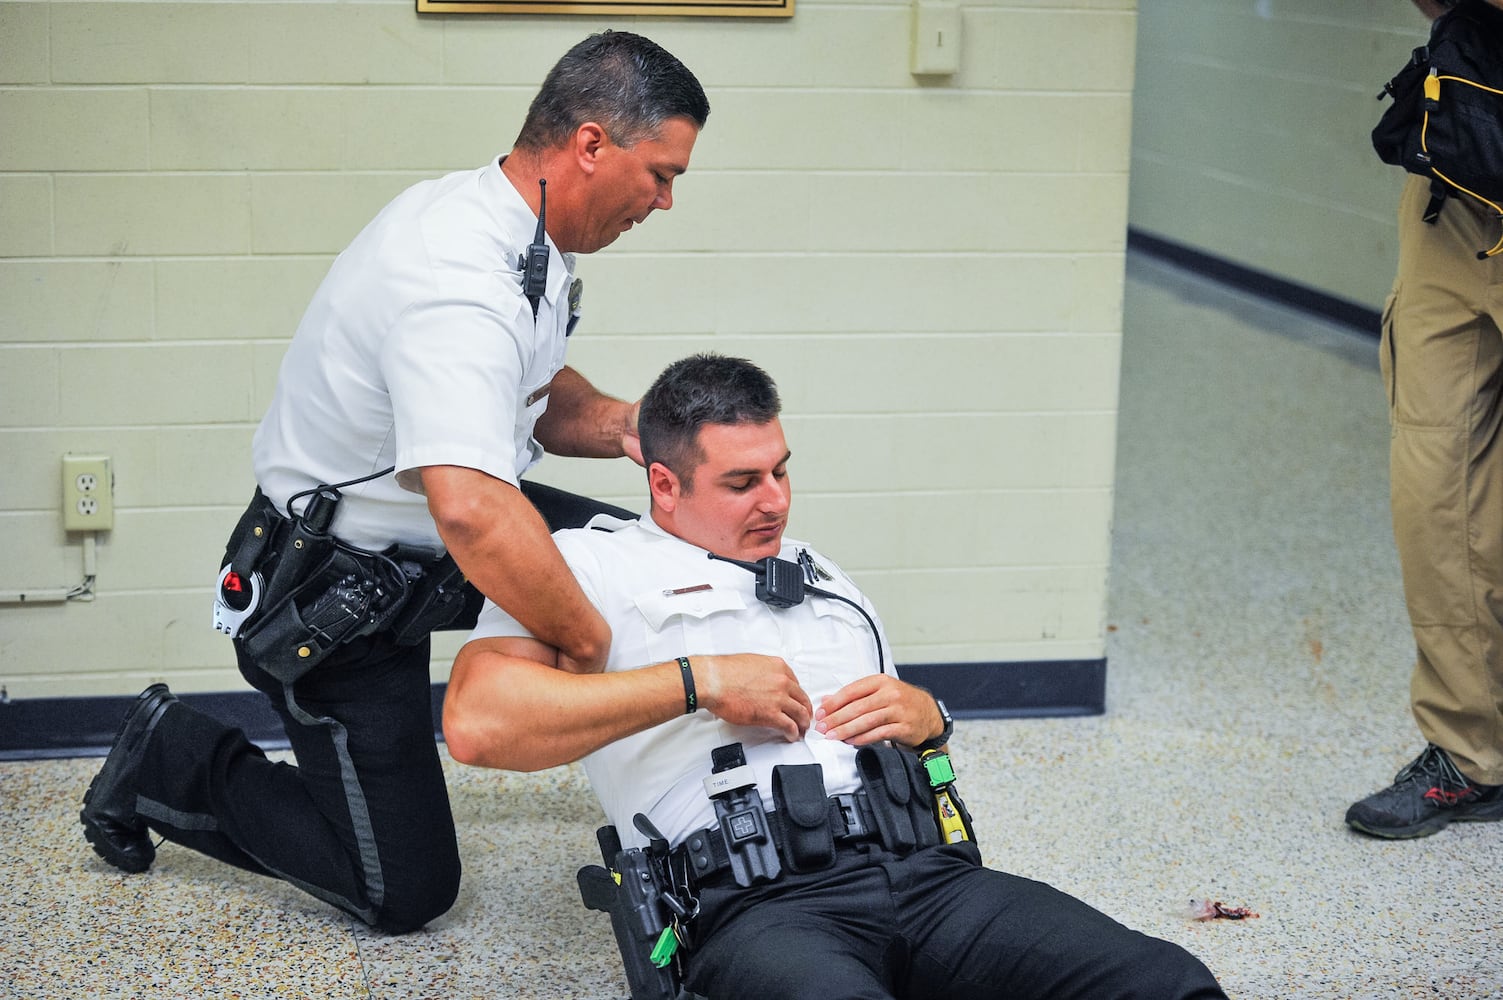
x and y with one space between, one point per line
680 8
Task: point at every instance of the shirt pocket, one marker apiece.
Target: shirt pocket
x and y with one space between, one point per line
841 635
690 621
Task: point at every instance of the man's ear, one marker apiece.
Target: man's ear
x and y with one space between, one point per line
664 487
589 140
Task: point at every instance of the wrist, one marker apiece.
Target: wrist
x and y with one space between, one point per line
946 729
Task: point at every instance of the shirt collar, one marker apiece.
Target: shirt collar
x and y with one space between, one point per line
651 526
517 221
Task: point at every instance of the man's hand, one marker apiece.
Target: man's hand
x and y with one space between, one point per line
879 707
583 422
631 439
749 689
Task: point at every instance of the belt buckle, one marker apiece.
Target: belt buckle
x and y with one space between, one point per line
857 827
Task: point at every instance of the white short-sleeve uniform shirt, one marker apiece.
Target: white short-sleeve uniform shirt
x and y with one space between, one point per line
418 349
664 598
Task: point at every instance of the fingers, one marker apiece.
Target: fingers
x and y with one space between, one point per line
748 689
873 708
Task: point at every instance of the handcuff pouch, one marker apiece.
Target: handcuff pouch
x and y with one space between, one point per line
798 794
254 535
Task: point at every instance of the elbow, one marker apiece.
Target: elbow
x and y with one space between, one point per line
460 740
478 746
460 519
463 735
479 742
467 731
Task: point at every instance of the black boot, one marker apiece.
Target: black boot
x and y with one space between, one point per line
109 813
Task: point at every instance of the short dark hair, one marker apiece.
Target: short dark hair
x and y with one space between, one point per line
697 390
627 84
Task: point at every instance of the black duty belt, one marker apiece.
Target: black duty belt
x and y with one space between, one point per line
703 852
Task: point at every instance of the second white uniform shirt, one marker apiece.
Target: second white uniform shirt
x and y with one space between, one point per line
418 349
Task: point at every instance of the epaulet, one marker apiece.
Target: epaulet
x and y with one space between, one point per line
609 522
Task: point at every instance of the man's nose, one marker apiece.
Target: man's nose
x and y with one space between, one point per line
774 496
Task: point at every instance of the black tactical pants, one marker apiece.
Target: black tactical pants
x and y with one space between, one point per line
932 925
362 821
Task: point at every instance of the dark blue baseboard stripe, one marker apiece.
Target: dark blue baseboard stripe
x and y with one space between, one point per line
1361 318
1015 690
38 728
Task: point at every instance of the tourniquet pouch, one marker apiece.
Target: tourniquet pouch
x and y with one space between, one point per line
1446 122
803 808
336 594
899 797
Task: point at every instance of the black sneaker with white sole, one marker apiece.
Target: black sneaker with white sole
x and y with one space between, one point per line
1425 796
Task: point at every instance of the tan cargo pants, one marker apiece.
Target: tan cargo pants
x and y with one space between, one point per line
1442 359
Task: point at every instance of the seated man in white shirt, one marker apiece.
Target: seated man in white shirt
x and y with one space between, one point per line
865 903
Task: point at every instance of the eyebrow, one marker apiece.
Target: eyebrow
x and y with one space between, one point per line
736 473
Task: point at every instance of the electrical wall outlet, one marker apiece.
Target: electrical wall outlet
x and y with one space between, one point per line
88 493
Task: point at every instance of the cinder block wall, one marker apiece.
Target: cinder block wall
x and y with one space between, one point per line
1251 124
932 269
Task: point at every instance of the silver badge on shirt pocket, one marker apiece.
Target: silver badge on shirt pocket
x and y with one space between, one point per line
576 293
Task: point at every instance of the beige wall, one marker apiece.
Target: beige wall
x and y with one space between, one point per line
1251 122
932 270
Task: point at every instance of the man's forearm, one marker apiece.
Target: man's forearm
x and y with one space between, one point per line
507 707
512 712
583 422
502 545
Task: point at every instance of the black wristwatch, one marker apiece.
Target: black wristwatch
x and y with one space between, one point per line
945 734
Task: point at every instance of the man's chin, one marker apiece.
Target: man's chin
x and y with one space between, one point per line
759 546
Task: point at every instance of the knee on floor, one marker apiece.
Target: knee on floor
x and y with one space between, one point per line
409 909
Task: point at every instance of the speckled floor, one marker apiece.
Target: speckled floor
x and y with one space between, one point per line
1258 681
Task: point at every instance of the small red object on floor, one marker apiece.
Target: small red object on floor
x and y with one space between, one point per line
1201 909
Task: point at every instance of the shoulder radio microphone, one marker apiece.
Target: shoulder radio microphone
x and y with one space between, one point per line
535 263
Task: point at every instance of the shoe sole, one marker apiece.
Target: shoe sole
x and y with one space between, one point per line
131 864
1491 813
1414 832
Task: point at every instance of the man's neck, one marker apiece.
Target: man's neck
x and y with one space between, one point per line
523 171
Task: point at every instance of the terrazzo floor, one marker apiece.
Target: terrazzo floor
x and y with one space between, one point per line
1257 684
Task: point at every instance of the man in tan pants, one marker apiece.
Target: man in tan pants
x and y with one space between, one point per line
1442 359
